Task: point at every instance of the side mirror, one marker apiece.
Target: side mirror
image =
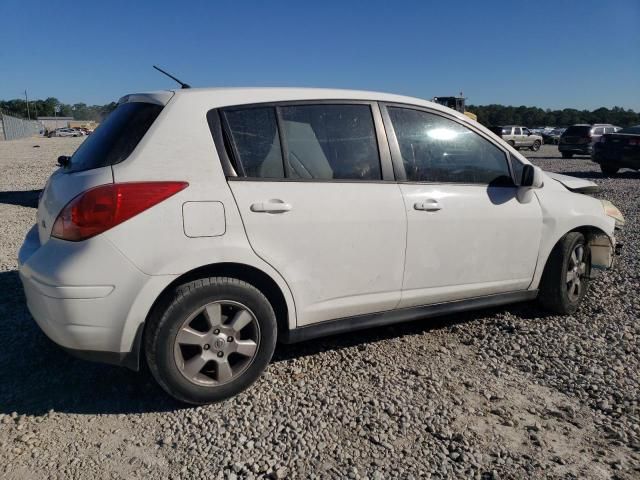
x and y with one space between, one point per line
531 177
64 161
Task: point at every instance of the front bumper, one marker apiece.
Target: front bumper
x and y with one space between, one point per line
80 294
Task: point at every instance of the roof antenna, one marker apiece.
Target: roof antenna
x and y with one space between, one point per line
182 84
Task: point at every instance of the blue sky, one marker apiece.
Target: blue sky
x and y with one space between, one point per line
552 54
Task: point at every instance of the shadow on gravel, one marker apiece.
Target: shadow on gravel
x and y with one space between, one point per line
528 310
37 376
23 198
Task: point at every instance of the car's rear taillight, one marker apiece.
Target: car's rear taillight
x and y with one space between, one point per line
634 141
101 208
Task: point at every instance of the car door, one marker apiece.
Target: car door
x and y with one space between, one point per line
467 233
526 137
316 194
517 135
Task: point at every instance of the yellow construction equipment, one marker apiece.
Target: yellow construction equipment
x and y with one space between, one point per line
457 103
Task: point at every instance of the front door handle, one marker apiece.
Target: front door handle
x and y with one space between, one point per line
429 205
272 206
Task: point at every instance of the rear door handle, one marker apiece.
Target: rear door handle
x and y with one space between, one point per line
429 205
272 206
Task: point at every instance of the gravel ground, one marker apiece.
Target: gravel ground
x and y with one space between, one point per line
503 393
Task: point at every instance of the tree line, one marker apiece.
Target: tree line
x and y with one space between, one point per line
491 115
487 114
53 107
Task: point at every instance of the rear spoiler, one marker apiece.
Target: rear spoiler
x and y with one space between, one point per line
161 97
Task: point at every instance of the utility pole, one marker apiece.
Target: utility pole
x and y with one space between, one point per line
26 99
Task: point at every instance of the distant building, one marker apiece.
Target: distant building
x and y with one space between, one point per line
51 123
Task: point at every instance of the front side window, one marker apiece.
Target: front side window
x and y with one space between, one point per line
436 149
330 142
254 134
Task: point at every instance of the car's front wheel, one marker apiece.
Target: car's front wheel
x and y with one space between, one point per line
536 146
609 169
212 339
565 279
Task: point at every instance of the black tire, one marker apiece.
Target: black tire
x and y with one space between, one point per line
554 286
536 146
567 155
165 322
609 170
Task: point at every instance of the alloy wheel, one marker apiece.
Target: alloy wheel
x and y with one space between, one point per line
576 270
217 343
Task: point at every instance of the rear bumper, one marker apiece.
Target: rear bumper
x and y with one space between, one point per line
622 159
80 295
578 149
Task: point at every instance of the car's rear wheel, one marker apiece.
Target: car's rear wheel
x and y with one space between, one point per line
536 146
567 155
609 169
212 339
565 280
512 143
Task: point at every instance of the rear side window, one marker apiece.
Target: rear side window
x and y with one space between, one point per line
438 150
331 142
323 142
115 139
598 131
254 133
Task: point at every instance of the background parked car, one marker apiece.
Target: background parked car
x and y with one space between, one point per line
618 150
579 139
552 137
65 132
518 136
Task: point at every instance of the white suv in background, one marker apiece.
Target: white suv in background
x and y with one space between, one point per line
200 226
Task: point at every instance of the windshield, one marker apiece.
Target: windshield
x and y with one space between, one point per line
116 137
635 130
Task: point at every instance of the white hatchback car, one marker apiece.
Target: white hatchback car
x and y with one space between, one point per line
197 227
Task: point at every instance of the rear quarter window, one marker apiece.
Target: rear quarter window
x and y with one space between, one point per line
115 139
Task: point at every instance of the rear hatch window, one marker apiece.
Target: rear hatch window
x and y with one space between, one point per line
577 131
115 139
